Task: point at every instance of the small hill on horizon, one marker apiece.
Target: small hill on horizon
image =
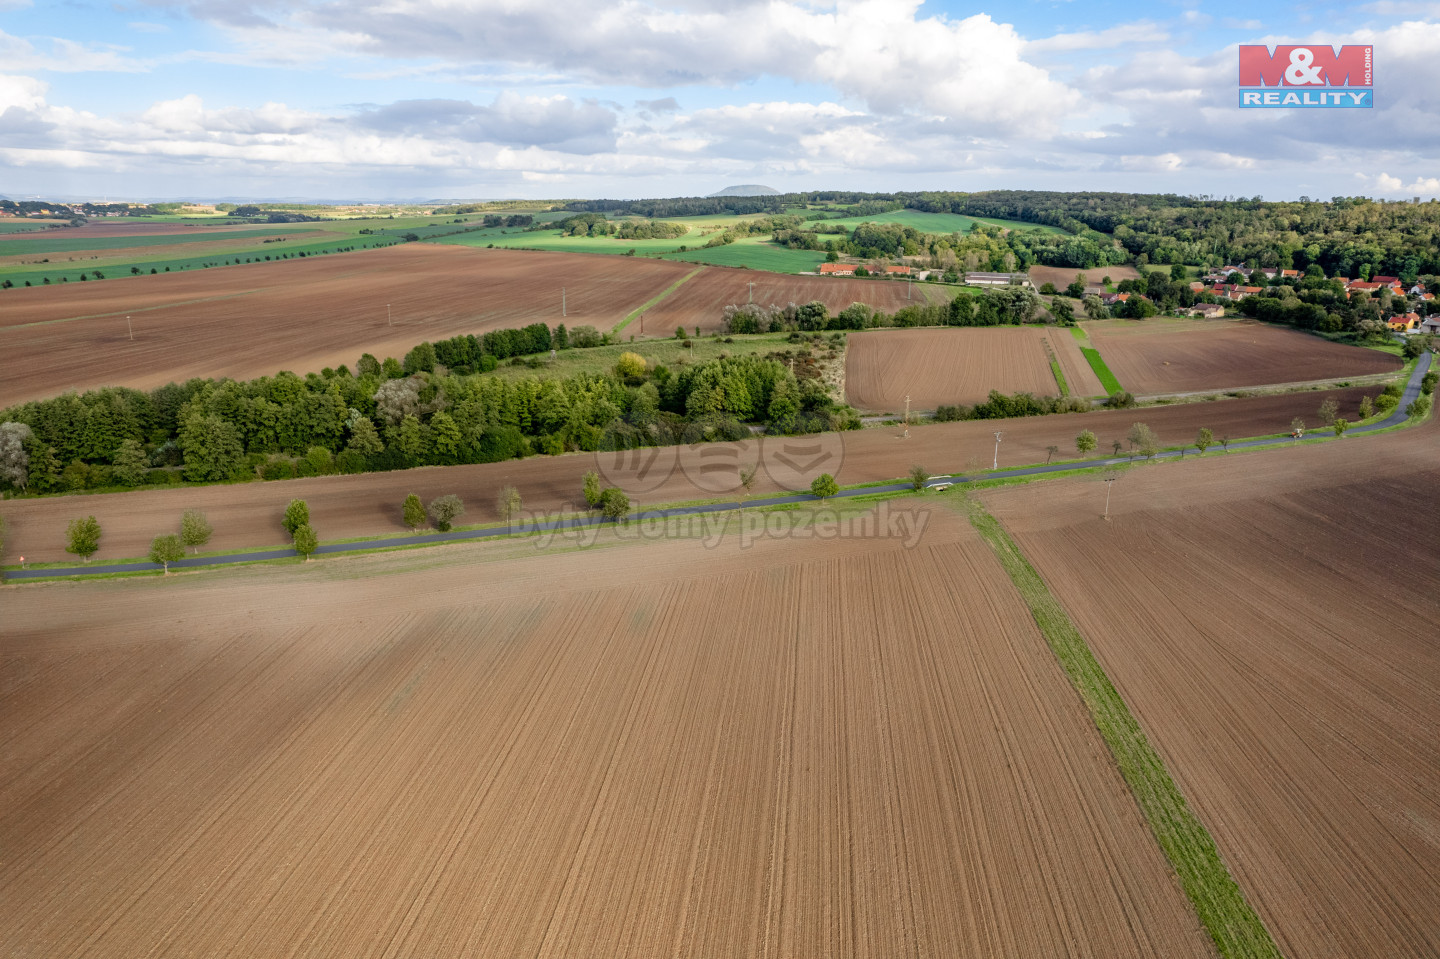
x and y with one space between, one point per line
748 189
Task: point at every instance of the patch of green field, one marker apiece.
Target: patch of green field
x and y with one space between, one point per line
112 270
1059 377
1213 892
940 222
671 352
554 240
755 253
56 241
1102 372
22 225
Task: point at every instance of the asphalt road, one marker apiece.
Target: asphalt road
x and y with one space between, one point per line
1412 390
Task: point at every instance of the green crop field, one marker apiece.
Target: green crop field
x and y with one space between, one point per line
21 225
56 241
940 222
756 253
516 238
670 352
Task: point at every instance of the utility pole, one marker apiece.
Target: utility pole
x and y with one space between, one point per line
998 434
752 293
129 327
908 282
388 315
907 415
1108 481
562 301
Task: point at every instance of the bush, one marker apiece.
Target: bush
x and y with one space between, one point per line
1418 407
1428 381
1384 403
444 510
413 512
1120 400
278 470
614 504
297 514
918 478
350 462
590 486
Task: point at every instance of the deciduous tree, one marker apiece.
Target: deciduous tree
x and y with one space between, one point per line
444 510
83 537
824 486
1085 441
591 489
1143 439
413 511
1204 439
297 514
165 550
130 462
305 541
614 504
195 529
507 504
14 459
919 476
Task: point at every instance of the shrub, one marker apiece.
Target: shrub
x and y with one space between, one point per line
1384 403
1085 442
297 514
444 510
1428 381
83 537
614 504
918 478
278 470
630 366
1120 400
1418 407
591 488
413 512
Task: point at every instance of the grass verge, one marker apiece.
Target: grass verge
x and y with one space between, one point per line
1102 372
1059 377
1213 892
655 299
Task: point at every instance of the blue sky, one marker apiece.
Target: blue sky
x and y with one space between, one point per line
392 99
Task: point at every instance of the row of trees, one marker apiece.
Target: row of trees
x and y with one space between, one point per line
997 306
282 426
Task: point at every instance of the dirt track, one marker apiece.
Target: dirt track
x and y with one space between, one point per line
1272 619
701 301
940 366
673 751
341 507
301 315
1170 356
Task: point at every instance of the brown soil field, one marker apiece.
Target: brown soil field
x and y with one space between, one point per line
674 751
344 507
1271 620
944 366
1063 276
1173 356
301 315
701 301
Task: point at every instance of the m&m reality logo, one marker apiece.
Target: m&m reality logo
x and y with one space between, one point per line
1307 76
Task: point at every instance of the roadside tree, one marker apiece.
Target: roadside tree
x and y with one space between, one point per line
507 504
614 504
591 489
1204 439
1341 425
1329 409
1085 442
83 537
195 529
305 541
413 511
445 510
1143 439
165 550
824 486
919 477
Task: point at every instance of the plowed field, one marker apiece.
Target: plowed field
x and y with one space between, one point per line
1165 356
1272 620
822 749
701 301
343 507
300 315
944 366
1063 276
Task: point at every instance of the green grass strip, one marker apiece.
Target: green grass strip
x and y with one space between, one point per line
1211 889
1059 378
651 302
1097 363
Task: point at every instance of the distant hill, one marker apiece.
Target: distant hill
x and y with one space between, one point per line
747 189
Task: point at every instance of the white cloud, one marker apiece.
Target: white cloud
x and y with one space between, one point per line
1128 33
66 56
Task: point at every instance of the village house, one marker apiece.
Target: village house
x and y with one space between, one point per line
1403 322
837 269
1209 311
1110 299
897 271
1431 324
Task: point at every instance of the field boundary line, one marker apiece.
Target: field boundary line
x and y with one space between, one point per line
650 304
1217 898
1055 368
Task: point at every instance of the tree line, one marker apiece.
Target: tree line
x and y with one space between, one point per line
393 415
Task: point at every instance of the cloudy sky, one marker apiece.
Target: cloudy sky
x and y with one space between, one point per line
391 99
